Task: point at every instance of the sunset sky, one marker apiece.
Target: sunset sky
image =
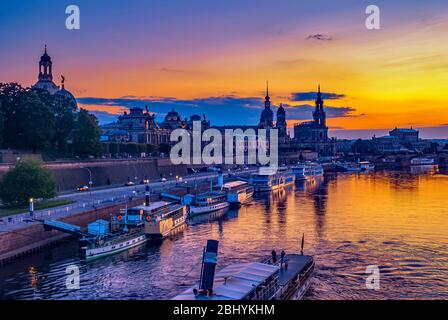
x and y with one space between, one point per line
214 57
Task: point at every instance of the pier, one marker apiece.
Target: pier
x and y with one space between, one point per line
20 236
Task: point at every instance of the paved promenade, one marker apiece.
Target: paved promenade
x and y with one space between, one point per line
85 201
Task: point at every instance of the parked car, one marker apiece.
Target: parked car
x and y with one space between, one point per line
129 184
82 188
163 180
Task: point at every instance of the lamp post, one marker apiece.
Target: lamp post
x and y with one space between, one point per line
90 184
31 208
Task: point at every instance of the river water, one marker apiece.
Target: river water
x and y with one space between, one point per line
397 221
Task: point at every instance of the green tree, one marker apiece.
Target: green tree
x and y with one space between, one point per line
86 135
363 147
114 148
27 180
64 122
9 105
35 122
164 148
105 148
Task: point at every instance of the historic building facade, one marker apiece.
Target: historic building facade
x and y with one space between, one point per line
45 80
140 126
313 135
400 140
267 120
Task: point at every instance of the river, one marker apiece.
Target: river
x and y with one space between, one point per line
397 221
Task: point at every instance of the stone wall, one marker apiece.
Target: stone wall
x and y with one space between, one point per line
13 243
70 175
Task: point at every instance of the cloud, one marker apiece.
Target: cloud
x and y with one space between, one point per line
304 112
104 116
220 110
319 37
308 96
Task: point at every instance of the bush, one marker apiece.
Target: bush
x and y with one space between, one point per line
27 180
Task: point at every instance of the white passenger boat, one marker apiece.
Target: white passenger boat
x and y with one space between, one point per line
112 244
350 166
162 218
271 181
422 161
288 278
366 166
206 202
238 192
307 171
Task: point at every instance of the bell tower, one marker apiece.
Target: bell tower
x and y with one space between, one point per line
45 78
319 115
45 67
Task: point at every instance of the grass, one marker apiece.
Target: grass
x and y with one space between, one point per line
9 211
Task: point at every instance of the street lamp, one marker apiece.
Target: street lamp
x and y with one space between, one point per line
31 208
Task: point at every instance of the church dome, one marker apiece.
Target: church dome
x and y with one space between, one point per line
66 94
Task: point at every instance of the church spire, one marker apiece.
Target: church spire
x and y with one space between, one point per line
319 114
267 91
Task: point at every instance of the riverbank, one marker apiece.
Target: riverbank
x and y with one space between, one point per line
9 211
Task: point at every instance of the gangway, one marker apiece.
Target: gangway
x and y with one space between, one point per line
170 197
65 227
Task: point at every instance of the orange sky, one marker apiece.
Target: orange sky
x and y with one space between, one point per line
396 76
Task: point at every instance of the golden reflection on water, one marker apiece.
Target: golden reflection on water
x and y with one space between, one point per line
394 220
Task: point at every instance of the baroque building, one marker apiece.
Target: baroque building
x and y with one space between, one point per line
140 126
313 135
45 80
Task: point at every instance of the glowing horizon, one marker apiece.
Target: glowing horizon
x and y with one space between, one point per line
393 77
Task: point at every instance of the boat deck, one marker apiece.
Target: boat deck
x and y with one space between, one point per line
296 264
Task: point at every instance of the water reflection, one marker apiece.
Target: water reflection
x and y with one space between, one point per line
396 220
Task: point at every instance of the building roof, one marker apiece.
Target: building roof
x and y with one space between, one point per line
405 130
234 184
235 282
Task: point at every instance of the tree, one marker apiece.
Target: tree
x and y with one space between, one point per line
64 121
164 148
9 104
27 180
35 122
363 147
86 135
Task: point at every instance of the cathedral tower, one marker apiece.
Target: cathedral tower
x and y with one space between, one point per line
267 116
281 124
319 115
45 78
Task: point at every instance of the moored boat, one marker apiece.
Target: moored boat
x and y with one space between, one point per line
288 278
206 202
307 171
366 166
162 218
422 161
271 181
111 244
238 192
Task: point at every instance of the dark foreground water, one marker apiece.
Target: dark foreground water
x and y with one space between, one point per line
395 220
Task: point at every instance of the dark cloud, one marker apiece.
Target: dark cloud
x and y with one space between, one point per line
224 110
104 116
308 96
304 112
220 110
319 37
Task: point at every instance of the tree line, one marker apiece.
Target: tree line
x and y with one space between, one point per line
32 119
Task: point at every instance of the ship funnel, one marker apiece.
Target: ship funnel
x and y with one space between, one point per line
220 180
208 267
147 196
